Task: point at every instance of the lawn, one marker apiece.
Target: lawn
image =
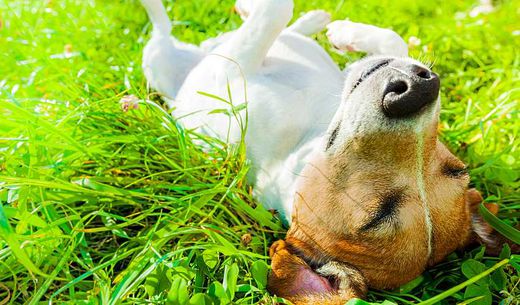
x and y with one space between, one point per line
104 206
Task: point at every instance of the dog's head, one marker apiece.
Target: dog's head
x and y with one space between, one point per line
383 197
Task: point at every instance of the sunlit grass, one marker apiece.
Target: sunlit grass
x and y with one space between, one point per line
102 206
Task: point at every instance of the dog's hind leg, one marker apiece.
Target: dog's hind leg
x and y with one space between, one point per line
166 61
311 23
351 36
249 45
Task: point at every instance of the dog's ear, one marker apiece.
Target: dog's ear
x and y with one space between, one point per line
484 233
293 279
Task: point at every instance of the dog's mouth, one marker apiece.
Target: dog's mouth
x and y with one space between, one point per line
410 90
406 87
385 94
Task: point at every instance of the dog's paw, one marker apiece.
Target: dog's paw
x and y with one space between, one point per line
343 35
358 37
312 22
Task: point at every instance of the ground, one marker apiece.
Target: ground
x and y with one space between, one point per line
99 205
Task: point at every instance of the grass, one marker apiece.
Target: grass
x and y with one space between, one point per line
102 206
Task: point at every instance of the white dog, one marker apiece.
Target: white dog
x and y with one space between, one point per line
349 158
294 89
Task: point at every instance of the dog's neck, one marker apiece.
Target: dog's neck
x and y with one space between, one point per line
363 160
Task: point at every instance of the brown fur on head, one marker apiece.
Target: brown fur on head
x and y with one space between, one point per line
377 206
350 225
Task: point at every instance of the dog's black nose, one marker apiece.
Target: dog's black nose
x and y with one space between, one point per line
410 92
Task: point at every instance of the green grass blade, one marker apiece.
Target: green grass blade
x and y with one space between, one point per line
7 234
470 281
499 225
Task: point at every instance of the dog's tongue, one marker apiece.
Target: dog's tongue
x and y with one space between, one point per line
309 282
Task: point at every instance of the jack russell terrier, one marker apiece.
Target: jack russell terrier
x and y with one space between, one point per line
350 159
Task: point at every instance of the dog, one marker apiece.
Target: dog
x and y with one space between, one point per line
350 159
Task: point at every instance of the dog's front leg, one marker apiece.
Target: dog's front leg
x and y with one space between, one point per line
264 21
311 23
351 36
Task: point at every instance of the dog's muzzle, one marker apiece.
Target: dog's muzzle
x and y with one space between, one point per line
409 91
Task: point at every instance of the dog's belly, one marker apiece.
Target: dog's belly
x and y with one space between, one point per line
291 101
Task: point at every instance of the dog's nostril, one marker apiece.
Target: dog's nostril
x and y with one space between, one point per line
421 72
398 87
403 98
424 74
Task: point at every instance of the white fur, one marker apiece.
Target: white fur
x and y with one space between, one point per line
350 36
295 93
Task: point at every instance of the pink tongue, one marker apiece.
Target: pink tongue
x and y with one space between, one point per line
309 282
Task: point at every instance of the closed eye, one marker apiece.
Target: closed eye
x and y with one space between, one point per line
454 171
386 211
